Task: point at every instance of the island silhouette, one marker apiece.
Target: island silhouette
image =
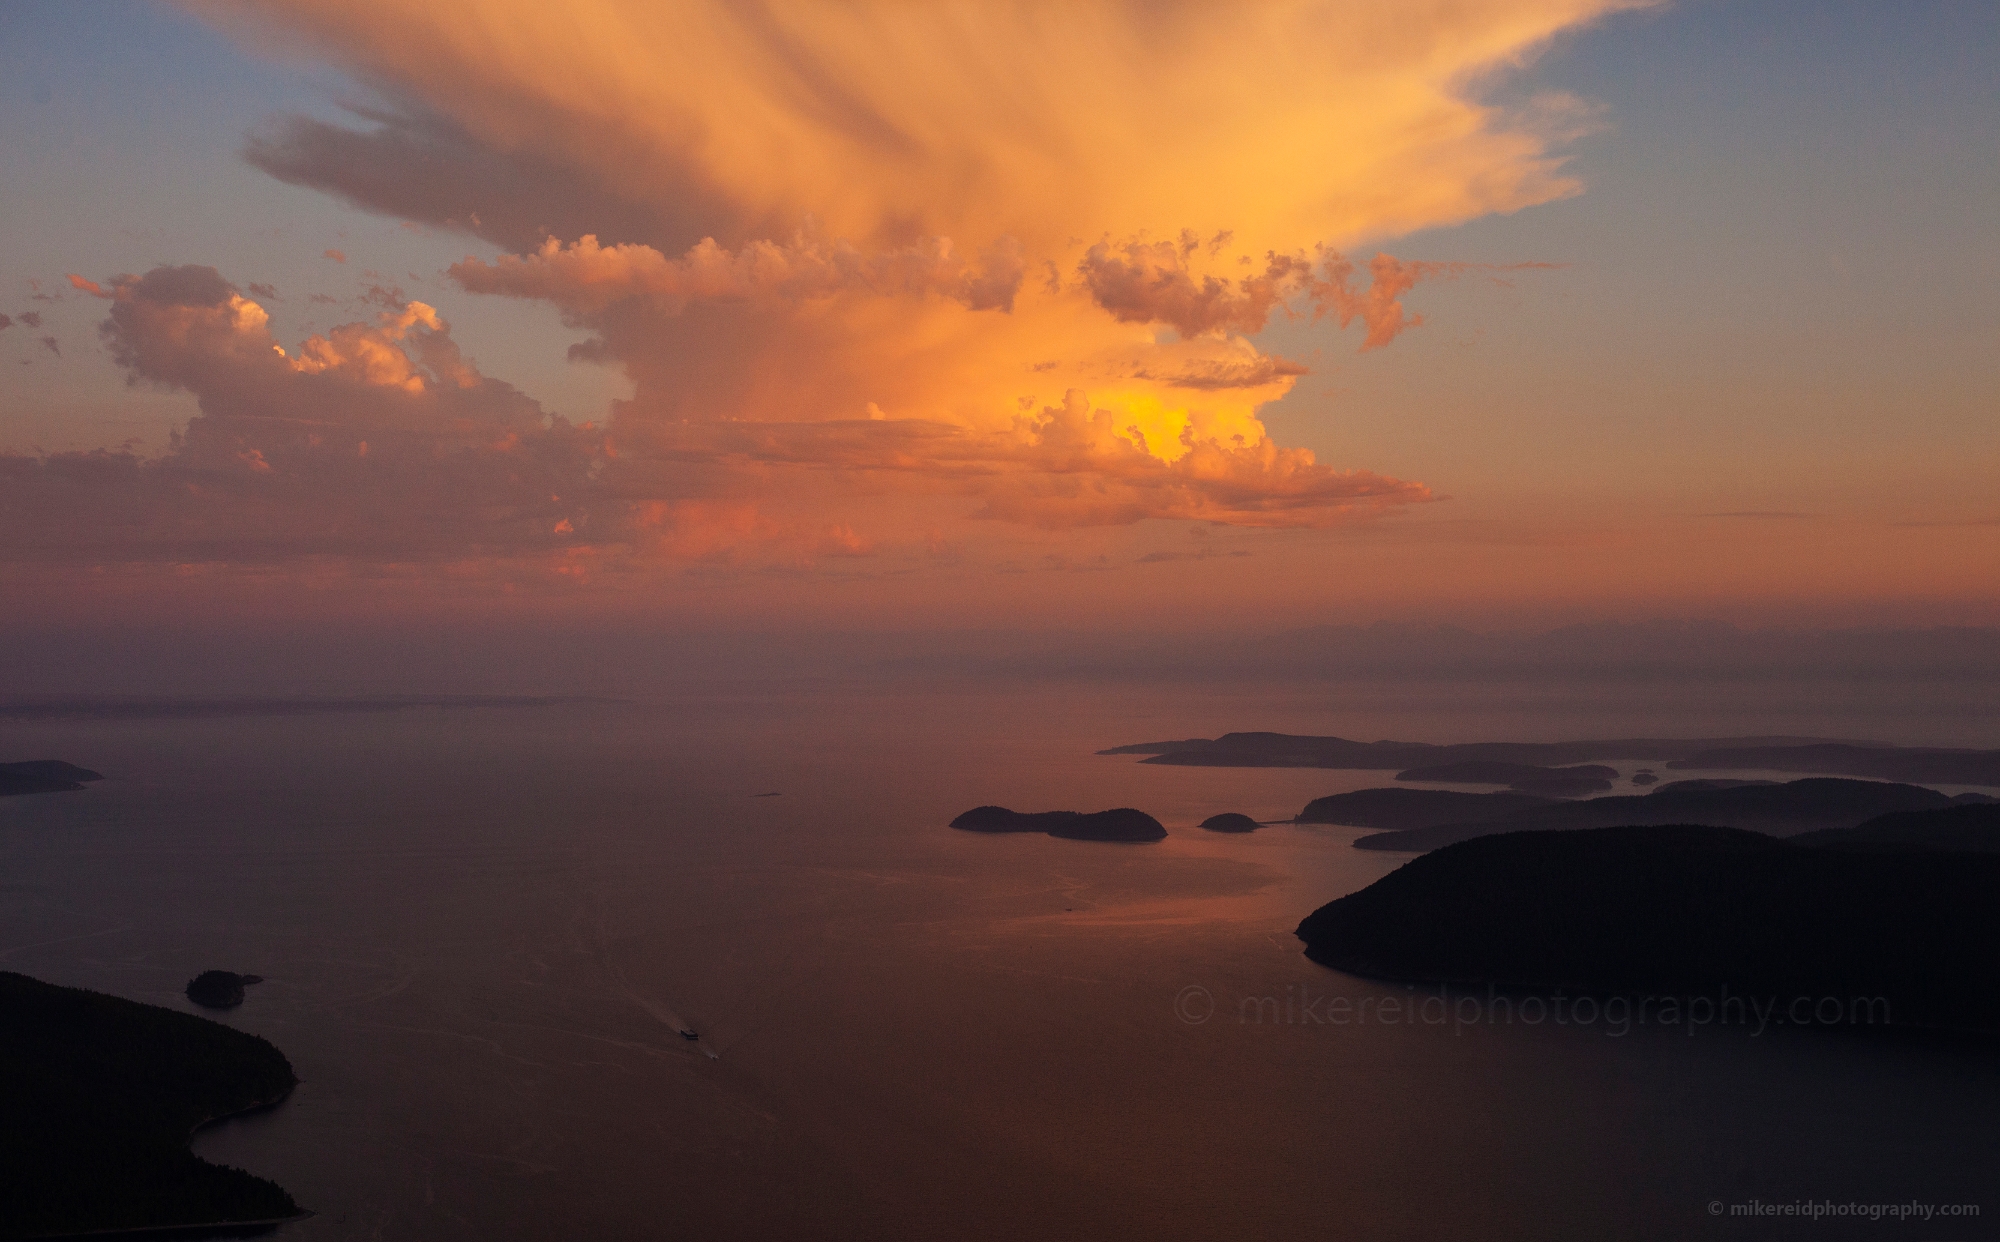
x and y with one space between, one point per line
1120 824
1779 809
1970 827
98 1097
219 989
1824 756
1525 777
1230 821
1906 937
1915 764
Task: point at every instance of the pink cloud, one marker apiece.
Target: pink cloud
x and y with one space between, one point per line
1378 306
1149 282
271 467
589 276
422 168
1212 375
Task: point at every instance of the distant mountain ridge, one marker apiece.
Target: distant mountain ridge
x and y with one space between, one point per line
1966 827
1829 756
1921 765
1290 750
1795 807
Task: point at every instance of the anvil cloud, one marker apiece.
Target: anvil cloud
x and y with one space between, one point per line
1004 260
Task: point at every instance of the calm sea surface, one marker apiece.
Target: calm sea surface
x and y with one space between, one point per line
481 930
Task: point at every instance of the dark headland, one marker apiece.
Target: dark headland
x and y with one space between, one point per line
98 1097
1121 824
1971 828
43 776
1779 809
1680 910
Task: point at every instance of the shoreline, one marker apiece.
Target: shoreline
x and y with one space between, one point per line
197 1229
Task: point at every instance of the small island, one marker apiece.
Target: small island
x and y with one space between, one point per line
1000 819
98 1097
1909 937
1120 824
219 989
1230 822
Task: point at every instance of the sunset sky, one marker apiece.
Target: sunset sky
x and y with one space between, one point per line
889 315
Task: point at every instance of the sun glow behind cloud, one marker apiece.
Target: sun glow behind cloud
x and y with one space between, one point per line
991 260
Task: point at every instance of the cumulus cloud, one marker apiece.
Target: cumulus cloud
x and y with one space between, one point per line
803 232
1141 282
1065 465
1258 371
586 276
380 440
374 439
1083 468
1150 282
1378 306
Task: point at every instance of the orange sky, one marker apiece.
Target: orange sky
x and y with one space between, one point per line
937 312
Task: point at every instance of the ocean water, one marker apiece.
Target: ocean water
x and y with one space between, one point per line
482 929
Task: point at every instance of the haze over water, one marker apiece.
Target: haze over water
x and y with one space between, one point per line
855 413
482 928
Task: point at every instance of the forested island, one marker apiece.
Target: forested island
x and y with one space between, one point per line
1120 824
1901 936
1230 821
1525 777
98 1098
219 989
1428 820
